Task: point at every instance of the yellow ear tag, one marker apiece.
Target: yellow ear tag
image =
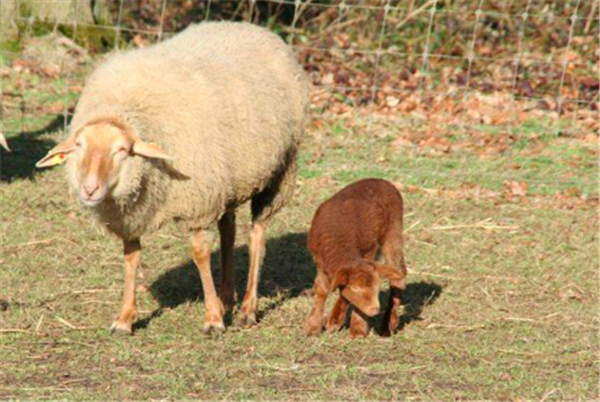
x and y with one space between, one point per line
58 159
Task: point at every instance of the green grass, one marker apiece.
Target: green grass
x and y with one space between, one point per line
501 304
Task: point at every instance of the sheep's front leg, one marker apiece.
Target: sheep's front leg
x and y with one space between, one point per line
257 254
314 322
201 241
133 253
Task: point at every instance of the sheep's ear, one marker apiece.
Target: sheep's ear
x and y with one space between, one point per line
149 150
57 155
389 272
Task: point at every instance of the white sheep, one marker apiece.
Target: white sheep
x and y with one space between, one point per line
188 130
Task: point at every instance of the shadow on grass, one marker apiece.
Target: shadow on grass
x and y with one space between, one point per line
27 149
288 270
415 298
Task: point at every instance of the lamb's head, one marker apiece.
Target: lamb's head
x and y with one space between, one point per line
359 283
100 155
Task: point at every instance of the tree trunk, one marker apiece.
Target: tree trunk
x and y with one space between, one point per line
69 12
19 15
75 19
8 24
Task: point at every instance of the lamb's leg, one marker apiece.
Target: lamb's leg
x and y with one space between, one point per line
227 231
314 322
338 314
392 251
359 326
201 241
132 252
257 254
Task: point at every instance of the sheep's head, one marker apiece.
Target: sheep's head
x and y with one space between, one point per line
359 284
100 153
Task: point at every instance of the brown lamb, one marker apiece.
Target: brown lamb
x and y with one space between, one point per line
346 233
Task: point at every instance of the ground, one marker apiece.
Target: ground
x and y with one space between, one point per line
501 242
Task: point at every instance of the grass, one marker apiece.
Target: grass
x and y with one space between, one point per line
502 301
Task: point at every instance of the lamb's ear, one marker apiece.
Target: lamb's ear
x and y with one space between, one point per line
362 298
389 272
149 150
340 279
57 155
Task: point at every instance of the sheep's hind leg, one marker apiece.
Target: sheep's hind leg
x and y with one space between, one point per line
124 324
201 241
227 292
264 205
257 254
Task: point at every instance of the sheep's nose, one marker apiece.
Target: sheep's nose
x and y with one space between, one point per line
90 188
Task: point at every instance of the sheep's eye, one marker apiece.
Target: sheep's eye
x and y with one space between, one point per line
78 144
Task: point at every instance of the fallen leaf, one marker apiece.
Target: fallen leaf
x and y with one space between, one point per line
515 188
392 101
140 41
402 142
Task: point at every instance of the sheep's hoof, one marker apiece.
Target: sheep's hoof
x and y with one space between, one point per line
120 329
229 301
214 329
247 320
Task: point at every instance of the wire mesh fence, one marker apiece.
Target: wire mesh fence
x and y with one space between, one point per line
391 60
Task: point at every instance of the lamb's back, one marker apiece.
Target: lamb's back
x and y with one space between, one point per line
356 218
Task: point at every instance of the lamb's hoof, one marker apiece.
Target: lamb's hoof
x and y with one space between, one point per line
333 327
388 329
312 330
358 333
214 329
247 320
120 329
